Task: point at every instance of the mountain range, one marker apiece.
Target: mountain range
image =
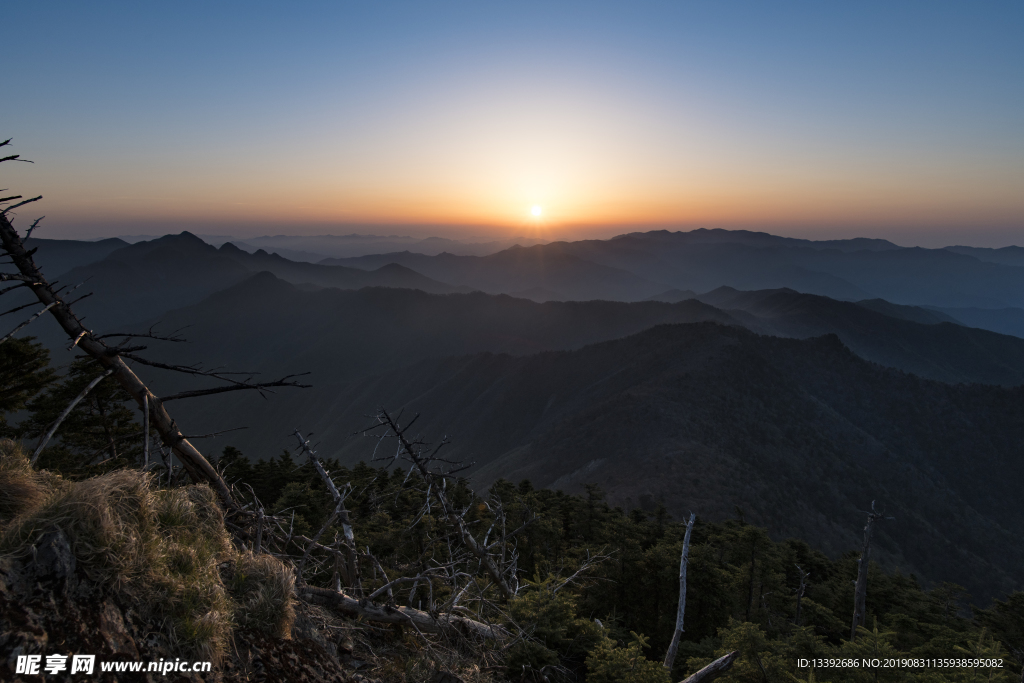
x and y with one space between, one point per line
702 260
796 407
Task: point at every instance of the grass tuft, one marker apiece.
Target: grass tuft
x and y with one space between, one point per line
162 548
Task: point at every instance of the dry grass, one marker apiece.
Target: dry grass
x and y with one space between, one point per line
263 586
21 487
161 548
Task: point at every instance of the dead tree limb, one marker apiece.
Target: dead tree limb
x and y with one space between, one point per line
442 623
713 670
684 559
27 322
259 386
67 411
23 203
5 277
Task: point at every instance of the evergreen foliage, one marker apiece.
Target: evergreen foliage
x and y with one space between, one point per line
741 584
611 622
24 372
102 433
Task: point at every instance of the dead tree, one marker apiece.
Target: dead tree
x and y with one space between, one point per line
860 594
713 670
670 656
340 514
432 469
800 591
379 602
112 357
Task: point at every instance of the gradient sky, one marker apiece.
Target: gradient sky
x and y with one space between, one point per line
817 119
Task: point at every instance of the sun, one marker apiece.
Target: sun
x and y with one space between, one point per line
536 211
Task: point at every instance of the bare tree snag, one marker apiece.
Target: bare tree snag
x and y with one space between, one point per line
800 591
714 669
684 559
860 594
340 513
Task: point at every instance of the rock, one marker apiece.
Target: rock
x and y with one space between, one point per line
115 634
53 557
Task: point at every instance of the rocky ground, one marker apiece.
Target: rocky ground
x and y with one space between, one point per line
50 605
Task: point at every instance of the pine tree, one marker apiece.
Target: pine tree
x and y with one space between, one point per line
24 372
100 434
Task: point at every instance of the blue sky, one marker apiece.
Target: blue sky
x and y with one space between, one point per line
899 120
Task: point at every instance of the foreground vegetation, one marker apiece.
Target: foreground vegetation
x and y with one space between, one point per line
742 585
597 585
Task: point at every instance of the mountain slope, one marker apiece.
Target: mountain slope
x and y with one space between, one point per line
343 337
62 255
881 332
800 434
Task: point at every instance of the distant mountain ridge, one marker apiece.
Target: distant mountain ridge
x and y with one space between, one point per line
519 269
143 280
703 260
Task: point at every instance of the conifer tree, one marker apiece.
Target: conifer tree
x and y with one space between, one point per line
100 433
24 372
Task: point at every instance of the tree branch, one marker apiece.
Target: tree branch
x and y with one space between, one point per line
15 206
27 322
424 621
67 411
283 382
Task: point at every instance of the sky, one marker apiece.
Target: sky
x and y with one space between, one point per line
809 119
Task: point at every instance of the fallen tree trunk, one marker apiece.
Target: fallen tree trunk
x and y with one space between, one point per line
714 669
383 614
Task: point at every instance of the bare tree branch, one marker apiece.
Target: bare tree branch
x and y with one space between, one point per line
412 451
6 277
342 513
442 623
213 435
15 206
283 382
67 411
31 228
145 335
27 322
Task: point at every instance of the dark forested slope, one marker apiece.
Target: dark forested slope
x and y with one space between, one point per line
798 434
